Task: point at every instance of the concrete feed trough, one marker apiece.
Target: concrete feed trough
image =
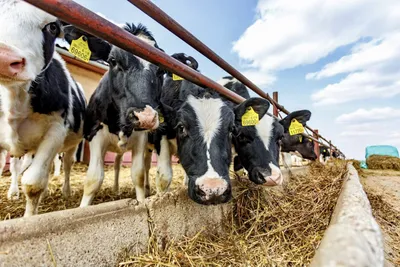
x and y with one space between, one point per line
98 235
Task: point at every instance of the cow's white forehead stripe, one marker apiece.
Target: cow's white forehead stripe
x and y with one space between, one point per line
144 38
208 116
264 130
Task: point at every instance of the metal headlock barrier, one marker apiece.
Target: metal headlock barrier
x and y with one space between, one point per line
81 17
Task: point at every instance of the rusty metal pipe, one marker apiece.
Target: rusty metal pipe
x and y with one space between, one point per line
92 23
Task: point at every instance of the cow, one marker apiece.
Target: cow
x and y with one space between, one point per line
19 165
325 154
258 152
121 112
163 140
299 144
43 107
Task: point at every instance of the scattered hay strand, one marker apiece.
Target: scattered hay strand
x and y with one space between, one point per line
389 221
54 200
268 226
378 162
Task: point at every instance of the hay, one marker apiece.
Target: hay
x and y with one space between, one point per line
389 220
54 201
268 227
378 162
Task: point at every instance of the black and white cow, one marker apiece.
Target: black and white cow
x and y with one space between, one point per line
259 155
120 112
43 107
325 154
163 140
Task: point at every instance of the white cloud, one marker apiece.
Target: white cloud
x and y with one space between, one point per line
291 33
375 114
259 78
287 34
110 20
373 69
358 133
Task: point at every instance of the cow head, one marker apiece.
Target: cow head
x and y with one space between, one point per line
203 126
258 146
27 40
298 142
100 49
135 85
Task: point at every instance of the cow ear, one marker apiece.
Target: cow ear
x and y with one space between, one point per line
259 105
301 116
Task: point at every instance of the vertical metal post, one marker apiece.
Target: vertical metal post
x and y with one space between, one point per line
330 148
275 97
316 145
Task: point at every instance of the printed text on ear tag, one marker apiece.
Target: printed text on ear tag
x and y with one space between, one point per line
176 77
250 117
80 49
295 127
160 117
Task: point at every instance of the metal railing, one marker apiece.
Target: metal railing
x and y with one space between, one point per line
79 16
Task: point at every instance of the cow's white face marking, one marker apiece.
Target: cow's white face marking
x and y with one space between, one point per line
264 130
145 63
208 117
21 31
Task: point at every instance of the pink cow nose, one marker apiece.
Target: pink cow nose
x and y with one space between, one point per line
11 64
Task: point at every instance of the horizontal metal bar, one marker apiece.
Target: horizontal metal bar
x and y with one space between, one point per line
92 23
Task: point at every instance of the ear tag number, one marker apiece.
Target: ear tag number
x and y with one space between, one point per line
295 127
80 49
176 77
160 117
250 117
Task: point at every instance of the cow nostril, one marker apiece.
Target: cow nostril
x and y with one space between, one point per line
200 192
18 64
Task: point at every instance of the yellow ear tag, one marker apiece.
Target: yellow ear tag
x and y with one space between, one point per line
160 117
250 117
80 49
176 77
295 127
300 138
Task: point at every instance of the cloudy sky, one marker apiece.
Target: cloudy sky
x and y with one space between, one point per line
338 58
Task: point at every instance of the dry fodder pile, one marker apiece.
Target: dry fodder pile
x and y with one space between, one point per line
54 201
389 221
378 162
268 227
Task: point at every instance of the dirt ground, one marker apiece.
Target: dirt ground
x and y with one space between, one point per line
383 190
55 201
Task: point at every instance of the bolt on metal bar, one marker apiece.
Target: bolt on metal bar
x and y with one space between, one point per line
90 22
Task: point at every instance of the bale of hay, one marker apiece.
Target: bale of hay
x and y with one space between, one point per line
267 227
379 162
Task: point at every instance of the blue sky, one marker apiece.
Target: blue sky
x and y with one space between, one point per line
317 54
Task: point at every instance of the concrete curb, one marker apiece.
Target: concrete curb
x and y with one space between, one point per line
97 235
353 237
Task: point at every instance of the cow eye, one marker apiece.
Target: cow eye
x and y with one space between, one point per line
181 130
112 62
53 29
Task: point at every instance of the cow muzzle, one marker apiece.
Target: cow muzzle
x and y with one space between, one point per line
267 177
12 65
212 191
143 119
